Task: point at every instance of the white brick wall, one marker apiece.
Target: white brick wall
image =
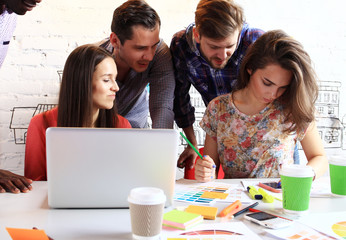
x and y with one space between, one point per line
44 38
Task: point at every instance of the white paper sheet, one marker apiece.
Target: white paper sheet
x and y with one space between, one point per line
225 231
330 220
298 231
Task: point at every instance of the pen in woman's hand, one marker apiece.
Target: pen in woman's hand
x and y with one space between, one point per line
193 147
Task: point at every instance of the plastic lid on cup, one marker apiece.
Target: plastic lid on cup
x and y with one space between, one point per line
146 196
296 170
337 160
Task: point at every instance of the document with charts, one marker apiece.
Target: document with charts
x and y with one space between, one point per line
195 192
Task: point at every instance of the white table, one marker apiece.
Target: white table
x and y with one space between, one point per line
31 210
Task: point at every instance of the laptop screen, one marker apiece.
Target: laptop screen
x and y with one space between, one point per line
97 168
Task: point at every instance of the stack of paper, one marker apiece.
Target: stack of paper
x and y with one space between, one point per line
181 220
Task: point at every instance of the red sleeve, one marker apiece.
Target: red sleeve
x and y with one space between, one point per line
35 148
123 122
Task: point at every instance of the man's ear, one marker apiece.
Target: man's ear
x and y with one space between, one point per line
249 71
115 41
196 35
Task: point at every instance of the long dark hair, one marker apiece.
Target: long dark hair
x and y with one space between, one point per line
75 98
276 47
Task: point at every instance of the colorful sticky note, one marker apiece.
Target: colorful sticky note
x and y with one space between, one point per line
181 219
205 211
27 234
214 195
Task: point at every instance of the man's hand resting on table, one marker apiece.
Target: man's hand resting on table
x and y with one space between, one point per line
11 182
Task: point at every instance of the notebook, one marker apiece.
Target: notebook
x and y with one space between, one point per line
97 168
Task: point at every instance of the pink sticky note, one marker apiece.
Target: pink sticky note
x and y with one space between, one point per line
27 234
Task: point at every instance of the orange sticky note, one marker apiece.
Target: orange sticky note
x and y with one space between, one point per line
214 195
205 211
27 234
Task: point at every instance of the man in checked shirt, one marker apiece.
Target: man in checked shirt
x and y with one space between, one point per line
208 54
142 58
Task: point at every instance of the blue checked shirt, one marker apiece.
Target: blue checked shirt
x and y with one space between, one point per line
135 99
192 68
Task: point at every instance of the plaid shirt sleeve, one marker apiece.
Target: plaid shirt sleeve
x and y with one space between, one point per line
249 36
183 110
162 86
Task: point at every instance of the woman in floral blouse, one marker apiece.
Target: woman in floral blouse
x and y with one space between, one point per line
252 131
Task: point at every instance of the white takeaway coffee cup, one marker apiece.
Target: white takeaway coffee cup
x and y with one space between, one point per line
146 210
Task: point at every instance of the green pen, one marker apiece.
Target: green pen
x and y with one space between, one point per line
193 147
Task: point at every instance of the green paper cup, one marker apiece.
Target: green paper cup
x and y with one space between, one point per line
337 172
296 183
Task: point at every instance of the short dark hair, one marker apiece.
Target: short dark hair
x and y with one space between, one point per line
75 97
218 19
132 13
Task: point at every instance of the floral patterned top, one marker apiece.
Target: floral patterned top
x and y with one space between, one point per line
250 146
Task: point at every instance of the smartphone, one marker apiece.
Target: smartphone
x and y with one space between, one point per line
271 186
268 220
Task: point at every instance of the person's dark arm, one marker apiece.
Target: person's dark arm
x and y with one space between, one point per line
14 183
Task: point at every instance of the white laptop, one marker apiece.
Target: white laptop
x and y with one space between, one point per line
97 167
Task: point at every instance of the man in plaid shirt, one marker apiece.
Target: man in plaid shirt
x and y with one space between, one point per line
208 54
142 58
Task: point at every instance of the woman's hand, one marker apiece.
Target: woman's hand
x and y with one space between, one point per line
205 169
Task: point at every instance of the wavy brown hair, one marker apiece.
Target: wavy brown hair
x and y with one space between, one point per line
276 47
75 98
218 19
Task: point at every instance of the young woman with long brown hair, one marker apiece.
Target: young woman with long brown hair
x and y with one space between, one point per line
252 131
86 99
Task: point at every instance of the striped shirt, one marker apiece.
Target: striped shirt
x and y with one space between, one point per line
133 98
8 21
192 68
